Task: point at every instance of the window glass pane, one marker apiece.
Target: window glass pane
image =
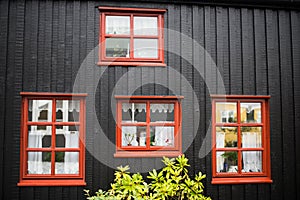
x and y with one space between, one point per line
133 112
40 110
67 136
117 25
134 135
145 25
145 48
227 161
39 136
250 112
226 137
226 112
162 136
39 163
66 163
67 110
162 112
251 137
117 47
252 161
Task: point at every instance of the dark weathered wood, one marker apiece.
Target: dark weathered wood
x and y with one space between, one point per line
103 120
222 43
287 104
222 26
60 67
174 47
263 190
30 42
248 57
295 25
235 51
275 102
4 7
39 193
260 52
14 86
210 76
68 47
186 87
76 39
198 86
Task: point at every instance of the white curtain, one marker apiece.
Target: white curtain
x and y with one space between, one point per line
36 165
35 162
220 143
164 136
251 159
71 158
117 24
162 108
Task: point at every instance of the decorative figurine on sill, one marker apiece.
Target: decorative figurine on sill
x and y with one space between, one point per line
129 138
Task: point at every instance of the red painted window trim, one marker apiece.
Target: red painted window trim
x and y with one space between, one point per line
51 179
240 177
131 12
149 151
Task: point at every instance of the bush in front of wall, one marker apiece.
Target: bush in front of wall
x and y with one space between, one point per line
172 182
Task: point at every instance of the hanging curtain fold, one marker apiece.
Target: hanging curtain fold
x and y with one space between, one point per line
251 159
220 143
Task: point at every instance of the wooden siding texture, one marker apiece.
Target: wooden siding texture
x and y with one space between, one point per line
43 45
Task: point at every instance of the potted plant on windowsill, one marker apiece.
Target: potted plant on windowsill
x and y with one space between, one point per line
230 160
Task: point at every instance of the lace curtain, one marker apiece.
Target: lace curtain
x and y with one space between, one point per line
153 107
251 159
36 163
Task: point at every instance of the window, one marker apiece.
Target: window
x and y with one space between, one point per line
52 139
241 139
131 36
148 126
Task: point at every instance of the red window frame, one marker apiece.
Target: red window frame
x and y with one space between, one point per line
51 179
149 151
131 61
240 176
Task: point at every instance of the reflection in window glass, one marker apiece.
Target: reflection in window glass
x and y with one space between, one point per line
117 47
145 25
40 110
227 161
39 136
161 112
251 137
250 112
66 163
134 112
226 137
117 25
145 48
252 161
226 112
134 136
162 136
39 163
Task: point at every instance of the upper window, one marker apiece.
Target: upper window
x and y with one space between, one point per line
131 36
241 146
148 126
52 139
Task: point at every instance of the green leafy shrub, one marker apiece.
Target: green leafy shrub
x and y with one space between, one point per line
172 182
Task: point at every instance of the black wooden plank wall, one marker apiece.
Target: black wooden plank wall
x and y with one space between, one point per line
44 44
